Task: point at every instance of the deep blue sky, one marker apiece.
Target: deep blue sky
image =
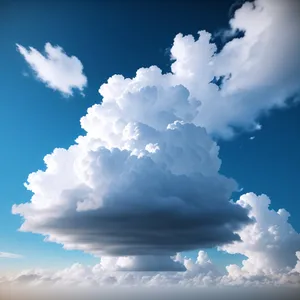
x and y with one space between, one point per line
113 37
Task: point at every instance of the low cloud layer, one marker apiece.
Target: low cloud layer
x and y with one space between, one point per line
143 183
56 69
270 243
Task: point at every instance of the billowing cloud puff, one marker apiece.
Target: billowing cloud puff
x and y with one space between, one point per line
270 244
257 72
152 263
56 69
297 267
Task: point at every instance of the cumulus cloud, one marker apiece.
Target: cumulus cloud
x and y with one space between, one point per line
148 263
270 244
145 179
258 71
126 200
56 69
297 267
9 255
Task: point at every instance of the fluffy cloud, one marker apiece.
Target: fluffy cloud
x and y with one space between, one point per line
142 263
270 244
137 199
9 255
297 267
144 180
56 69
258 71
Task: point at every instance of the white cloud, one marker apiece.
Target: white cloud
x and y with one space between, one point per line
9 255
260 68
297 267
148 263
270 244
56 69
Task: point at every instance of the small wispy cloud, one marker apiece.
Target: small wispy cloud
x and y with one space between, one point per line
25 74
55 68
252 138
9 255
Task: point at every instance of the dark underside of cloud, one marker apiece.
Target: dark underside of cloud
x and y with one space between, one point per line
144 233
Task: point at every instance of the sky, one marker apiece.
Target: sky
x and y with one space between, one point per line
157 140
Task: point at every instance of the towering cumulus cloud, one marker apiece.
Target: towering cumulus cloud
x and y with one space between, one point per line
144 180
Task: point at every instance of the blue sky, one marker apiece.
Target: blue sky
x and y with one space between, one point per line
115 38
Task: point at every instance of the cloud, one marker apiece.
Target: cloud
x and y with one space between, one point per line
270 244
142 263
9 255
125 200
145 178
258 70
297 267
56 69
198 273
107 273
